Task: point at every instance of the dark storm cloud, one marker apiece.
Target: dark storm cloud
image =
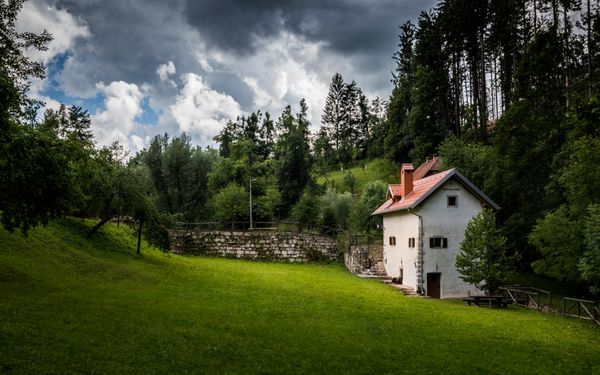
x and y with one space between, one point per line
347 27
129 40
132 37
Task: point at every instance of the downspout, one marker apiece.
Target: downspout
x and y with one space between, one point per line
420 253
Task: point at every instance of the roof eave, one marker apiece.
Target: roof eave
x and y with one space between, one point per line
389 211
475 189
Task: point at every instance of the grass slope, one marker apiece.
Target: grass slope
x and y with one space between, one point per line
377 169
69 305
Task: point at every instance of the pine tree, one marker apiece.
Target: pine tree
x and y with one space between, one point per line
429 121
398 141
293 156
348 129
482 261
334 118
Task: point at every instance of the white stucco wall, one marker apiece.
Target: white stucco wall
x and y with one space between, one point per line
438 220
403 226
449 222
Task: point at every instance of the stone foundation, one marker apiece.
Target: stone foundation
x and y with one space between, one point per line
255 245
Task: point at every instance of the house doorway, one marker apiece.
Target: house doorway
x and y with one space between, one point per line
433 284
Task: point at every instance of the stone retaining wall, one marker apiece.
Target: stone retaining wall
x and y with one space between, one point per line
256 245
360 258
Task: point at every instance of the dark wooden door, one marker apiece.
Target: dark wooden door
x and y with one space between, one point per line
433 284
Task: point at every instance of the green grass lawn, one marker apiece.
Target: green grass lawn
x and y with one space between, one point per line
69 305
378 169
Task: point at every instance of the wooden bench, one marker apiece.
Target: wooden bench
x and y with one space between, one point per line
496 301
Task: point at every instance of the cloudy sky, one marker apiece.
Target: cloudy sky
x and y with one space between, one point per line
143 67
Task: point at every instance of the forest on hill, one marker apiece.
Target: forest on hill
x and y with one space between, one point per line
507 92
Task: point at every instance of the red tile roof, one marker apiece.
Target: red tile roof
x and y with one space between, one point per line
394 190
424 187
432 164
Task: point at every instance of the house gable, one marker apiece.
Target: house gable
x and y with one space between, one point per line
424 187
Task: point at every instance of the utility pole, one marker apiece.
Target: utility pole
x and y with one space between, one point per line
251 179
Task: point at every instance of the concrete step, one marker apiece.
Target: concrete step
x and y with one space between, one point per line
374 276
405 289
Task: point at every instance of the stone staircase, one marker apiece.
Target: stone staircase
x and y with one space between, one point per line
405 289
375 275
377 272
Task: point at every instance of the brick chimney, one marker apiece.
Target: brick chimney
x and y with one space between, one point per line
406 179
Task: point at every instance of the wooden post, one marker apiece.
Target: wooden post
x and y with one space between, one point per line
139 241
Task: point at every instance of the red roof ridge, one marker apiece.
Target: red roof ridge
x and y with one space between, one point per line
430 164
437 176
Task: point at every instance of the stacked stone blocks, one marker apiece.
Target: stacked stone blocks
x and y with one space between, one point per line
255 245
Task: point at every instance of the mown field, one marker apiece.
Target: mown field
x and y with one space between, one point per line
73 305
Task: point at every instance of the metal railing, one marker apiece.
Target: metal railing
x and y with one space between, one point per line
275 226
366 239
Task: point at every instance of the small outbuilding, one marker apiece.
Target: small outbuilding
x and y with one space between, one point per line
424 222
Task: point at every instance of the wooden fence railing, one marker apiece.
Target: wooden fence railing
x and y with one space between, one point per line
581 308
533 298
541 300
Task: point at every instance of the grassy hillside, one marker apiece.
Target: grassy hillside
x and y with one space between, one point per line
378 169
69 305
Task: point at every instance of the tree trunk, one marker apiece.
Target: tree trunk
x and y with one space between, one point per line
457 94
139 241
555 16
535 16
482 86
98 226
106 216
567 52
589 51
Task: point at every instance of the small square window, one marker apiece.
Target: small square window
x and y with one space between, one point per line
438 242
411 242
452 201
392 241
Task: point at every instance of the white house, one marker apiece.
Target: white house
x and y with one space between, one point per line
424 222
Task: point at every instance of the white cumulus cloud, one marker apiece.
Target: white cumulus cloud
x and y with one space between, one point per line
281 72
117 122
165 71
64 27
201 111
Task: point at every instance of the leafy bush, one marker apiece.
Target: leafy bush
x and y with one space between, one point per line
231 203
306 211
590 262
